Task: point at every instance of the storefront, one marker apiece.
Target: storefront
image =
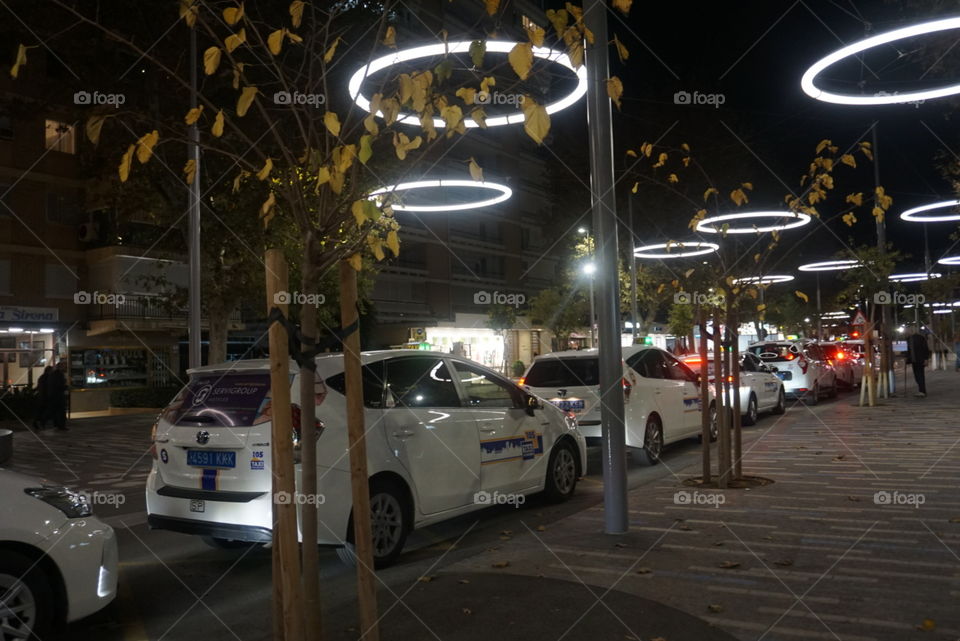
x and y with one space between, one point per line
28 343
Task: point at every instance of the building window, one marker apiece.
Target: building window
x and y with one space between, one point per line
60 136
5 278
61 208
60 281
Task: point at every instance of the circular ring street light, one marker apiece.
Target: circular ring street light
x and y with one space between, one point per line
911 214
685 249
830 265
810 88
949 260
763 280
912 278
714 224
492 46
504 193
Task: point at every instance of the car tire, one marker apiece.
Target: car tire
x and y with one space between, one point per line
25 588
228 544
561 480
750 416
781 406
389 522
652 441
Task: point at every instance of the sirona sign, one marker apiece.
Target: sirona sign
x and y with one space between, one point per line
11 313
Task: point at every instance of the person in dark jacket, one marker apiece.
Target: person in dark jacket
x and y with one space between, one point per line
43 400
918 352
57 391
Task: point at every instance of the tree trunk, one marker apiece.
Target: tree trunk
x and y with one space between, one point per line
719 379
704 398
733 330
217 334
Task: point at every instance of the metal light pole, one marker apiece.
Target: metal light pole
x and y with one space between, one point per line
600 127
590 269
194 233
819 312
634 314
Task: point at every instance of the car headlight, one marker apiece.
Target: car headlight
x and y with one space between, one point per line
74 504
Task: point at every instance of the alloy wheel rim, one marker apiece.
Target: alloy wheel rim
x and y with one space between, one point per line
654 444
564 471
753 410
386 520
18 609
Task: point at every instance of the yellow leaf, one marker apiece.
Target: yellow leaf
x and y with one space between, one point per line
376 246
492 6
661 160
211 60
661 288
615 90
756 257
521 59
467 94
478 115
849 219
365 149
332 122
802 296
475 170
739 197
633 189
232 15
823 144
356 262
708 192
245 100
296 12
94 125
575 49
275 42
672 178
877 213
145 146
748 186
331 50
265 170
238 179
19 61
486 83
558 19
267 209
622 51
390 38
343 157
623 6
686 148
188 11
536 120
235 40
357 210
323 176
193 115
535 33
855 199
452 115
190 170
761 307
848 159
370 124
390 108
393 242
125 163
631 153
402 144
217 129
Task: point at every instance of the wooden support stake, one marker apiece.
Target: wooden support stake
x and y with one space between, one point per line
359 481
704 399
286 548
733 327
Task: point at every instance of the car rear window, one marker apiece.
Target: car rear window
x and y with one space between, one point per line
563 372
219 399
774 352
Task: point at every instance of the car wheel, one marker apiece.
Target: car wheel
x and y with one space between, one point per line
561 478
781 407
26 599
750 417
652 442
813 396
388 524
714 424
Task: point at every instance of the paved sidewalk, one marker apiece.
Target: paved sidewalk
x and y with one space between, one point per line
819 554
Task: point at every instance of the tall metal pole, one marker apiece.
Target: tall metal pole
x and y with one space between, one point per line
600 127
593 315
634 314
819 312
885 325
194 234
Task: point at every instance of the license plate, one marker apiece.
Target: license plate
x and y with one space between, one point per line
211 458
569 406
198 505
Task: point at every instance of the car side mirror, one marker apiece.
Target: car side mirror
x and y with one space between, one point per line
533 404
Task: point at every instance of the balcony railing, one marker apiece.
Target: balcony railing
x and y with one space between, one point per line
145 307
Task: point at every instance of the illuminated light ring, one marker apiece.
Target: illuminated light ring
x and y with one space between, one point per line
831 265
504 194
711 226
809 88
943 311
763 280
696 248
913 278
949 260
493 46
911 214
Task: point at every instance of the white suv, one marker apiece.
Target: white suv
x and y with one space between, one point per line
445 436
801 365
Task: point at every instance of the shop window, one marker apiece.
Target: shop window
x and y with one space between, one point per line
60 281
108 367
61 136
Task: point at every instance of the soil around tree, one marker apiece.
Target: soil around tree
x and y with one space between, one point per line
743 483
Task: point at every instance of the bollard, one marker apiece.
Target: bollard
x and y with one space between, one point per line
6 445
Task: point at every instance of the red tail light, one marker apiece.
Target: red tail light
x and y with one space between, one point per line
789 357
841 356
803 365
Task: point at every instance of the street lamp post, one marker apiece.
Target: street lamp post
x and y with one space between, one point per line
590 269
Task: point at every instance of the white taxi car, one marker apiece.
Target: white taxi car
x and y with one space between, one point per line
445 436
802 366
58 562
761 390
661 395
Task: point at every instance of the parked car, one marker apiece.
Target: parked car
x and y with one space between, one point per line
661 395
761 390
846 363
445 436
58 562
801 365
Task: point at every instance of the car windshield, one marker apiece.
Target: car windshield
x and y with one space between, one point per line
563 372
775 352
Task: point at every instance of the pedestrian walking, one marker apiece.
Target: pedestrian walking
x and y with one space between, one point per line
918 352
57 391
42 414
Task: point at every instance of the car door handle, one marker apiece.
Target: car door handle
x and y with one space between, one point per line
403 433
